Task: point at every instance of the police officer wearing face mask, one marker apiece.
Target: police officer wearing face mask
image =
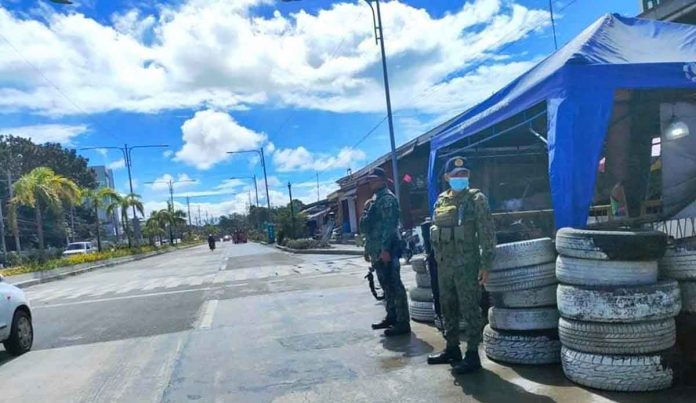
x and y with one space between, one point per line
463 240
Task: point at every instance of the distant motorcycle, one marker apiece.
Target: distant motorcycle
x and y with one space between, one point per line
211 243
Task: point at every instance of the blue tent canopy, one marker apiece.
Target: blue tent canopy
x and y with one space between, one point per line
577 83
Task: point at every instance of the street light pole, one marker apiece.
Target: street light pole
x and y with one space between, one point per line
379 37
292 208
263 164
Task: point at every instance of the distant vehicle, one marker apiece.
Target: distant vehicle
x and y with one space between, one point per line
239 237
226 238
79 248
16 329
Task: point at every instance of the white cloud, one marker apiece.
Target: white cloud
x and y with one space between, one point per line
118 164
182 181
300 159
219 53
48 133
167 153
210 134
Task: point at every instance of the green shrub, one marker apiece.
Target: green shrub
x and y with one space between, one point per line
306 243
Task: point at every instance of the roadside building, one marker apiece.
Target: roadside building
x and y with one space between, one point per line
110 222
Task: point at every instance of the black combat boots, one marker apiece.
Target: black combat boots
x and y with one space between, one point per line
384 324
450 355
398 329
470 363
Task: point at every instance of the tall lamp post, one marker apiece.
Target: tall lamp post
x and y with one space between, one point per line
379 38
127 154
263 164
256 189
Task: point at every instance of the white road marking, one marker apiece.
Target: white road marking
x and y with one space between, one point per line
152 294
208 314
152 284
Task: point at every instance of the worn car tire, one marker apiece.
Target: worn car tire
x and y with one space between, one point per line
618 338
523 253
521 347
422 311
421 294
523 318
531 298
21 334
522 278
423 280
611 245
625 373
678 264
620 305
688 296
418 264
601 273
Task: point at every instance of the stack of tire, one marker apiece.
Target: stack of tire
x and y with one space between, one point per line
617 323
679 263
523 320
421 303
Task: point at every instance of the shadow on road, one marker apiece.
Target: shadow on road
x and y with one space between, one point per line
410 346
551 374
487 386
5 357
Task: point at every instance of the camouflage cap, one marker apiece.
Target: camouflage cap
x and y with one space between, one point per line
377 173
455 165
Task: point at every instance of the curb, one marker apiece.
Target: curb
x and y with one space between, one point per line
320 251
60 276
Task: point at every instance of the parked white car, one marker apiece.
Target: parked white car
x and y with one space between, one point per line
79 248
16 329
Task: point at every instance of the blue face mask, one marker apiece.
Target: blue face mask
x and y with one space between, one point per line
459 184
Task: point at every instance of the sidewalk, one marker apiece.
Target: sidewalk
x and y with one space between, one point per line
39 277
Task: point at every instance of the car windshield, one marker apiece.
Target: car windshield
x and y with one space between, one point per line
76 246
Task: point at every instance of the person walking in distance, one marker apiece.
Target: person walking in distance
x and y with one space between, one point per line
463 240
380 224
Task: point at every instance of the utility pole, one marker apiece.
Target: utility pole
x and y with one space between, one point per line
188 207
256 189
318 198
263 164
16 226
292 208
2 232
379 37
170 183
553 25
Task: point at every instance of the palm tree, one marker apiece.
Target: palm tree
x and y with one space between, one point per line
97 199
43 188
177 219
111 207
153 228
128 201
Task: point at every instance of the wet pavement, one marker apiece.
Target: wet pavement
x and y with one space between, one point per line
249 323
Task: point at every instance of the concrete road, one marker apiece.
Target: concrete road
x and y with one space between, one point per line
247 323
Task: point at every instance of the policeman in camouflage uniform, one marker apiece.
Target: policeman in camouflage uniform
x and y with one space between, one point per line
379 223
463 239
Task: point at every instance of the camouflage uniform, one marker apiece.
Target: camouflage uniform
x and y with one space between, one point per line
379 222
463 239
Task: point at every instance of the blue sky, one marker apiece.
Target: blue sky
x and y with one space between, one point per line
301 79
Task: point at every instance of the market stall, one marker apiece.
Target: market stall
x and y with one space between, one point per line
582 122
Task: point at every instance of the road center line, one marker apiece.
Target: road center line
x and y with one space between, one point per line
208 314
152 294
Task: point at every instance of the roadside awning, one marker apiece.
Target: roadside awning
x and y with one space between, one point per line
318 214
577 83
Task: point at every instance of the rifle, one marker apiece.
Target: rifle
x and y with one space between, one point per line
371 282
432 269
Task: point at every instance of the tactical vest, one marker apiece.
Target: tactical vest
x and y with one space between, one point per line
454 227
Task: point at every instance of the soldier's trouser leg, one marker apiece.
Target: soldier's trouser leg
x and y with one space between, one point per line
396 292
460 296
381 271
